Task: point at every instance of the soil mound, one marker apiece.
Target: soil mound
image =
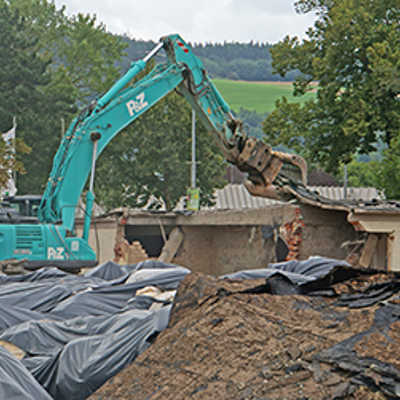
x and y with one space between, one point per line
230 339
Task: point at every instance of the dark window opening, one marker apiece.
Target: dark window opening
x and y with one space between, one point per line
150 238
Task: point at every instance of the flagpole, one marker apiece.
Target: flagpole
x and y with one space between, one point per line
14 173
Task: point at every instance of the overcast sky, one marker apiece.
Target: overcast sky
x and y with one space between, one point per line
197 21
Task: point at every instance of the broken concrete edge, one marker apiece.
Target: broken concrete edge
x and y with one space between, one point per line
253 216
372 217
277 215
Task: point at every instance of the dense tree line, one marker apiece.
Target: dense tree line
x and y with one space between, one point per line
230 51
70 60
231 60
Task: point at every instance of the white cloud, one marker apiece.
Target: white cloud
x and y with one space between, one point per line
197 21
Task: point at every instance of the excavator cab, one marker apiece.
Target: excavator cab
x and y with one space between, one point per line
20 209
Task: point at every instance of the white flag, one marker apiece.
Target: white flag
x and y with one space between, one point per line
9 138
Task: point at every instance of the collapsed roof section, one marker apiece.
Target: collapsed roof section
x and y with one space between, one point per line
376 216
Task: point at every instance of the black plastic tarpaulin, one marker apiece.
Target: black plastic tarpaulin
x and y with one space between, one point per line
16 382
49 337
379 375
299 277
11 316
110 271
111 297
82 364
41 274
44 294
373 294
297 271
79 330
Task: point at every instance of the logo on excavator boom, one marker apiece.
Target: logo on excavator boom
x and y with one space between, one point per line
135 106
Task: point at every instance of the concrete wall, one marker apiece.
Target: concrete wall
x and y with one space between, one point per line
324 232
218 250
223 242
105 230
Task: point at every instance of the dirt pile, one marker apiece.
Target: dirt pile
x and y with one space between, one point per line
231 340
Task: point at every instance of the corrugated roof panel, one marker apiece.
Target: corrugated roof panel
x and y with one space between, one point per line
353 193
236 196
241 195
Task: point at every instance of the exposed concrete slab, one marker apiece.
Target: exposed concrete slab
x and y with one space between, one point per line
218 250
261 216
279 214
324 232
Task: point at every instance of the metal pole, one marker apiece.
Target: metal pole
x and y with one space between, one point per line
62 127
94 157
193 183
153 52
90 194
14 173
345 181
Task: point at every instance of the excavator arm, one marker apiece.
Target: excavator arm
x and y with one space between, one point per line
121 105
262 164
89 135
54 241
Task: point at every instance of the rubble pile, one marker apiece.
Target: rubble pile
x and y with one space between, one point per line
313 329
239 339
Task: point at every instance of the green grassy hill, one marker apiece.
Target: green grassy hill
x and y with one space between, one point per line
256 96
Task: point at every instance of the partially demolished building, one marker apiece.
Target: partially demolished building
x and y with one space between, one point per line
243 231
211 313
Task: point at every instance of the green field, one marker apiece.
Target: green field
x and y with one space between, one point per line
256 96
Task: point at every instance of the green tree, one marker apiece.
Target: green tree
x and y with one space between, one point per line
82 58
388 172
89 56
149 161
363 174
22 76
353 52
82 51
44 22
31 94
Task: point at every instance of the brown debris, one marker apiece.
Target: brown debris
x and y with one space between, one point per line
126 253
292 234
382 345
223 343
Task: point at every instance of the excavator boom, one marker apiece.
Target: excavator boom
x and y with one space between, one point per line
53 240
